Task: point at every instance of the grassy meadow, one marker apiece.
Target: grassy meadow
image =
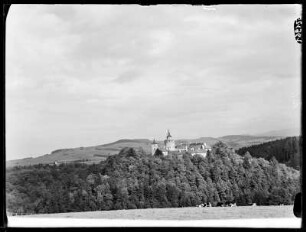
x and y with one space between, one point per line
187 213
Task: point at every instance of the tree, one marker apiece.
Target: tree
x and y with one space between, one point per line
247 160
158 153
128 181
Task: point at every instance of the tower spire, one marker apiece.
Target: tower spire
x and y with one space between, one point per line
168 133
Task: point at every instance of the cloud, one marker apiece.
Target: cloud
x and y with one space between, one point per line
127 77
162 40
88 74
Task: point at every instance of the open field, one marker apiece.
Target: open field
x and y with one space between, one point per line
188 213
243 216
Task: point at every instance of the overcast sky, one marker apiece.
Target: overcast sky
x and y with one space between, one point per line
82 75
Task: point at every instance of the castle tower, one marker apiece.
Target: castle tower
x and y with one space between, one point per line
154 146
168 135
169 142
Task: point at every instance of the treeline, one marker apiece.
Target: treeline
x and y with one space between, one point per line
133 179
286 151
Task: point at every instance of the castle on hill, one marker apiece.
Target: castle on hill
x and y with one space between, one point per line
169 146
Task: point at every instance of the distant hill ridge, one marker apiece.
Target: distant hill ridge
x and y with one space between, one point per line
289 132
127 141
96 154
239 137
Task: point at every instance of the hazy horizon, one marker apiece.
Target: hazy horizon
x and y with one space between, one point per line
84 75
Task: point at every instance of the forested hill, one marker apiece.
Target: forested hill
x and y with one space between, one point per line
285 150
133 179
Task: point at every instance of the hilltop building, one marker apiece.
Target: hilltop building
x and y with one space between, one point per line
169 142
169 146
199 148
182 147
154 146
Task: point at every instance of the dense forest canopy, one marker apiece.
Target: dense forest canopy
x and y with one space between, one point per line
133 179
286 151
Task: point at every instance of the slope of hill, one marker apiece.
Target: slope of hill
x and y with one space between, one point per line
96 154
285 150
238 141
93 154
233 141
134 180
283 133
208 140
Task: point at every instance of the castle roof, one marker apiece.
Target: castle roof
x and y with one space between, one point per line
181 146
195 145
168 135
